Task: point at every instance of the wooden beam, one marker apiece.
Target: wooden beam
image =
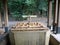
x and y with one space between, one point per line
49 22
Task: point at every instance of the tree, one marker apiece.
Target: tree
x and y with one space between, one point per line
17 8
43 6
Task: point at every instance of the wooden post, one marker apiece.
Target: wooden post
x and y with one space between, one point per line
55 18
5 15
0 15
56 10
58 20
49 22
59 14
0 19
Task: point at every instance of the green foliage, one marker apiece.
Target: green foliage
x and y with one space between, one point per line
0 5
17 8
43 5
